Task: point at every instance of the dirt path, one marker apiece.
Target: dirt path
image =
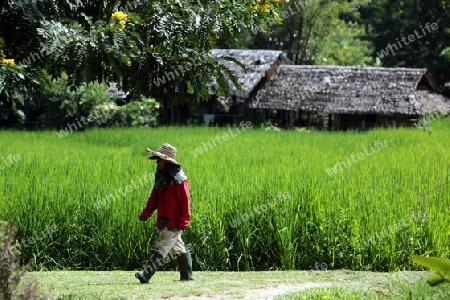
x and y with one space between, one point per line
210 285
272 292
263 293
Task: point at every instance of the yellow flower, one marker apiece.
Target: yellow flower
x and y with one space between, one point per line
276 1
253 7
119 16
265 8
122 23
7 61
4 60
111 27
286 1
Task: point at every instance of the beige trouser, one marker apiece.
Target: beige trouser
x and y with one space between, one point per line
170 241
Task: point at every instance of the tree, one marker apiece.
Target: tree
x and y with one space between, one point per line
314 32
154 48
345 46
15 83
162 48
412 34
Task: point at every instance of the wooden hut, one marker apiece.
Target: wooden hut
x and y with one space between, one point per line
260 65
349 97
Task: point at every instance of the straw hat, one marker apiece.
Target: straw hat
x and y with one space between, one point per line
166 152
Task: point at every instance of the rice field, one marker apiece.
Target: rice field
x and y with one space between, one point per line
261 200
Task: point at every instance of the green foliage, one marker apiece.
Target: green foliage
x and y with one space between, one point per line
141 112
62 103
13 87
144 48
344 46
99 52
391 20
10 269
177 47
446 53
312 31
440 265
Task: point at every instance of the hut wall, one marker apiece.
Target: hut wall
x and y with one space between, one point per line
369 121
348 121
395 120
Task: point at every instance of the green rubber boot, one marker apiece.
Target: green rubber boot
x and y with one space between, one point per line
185 266
149 270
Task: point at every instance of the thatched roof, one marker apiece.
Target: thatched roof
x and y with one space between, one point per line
350 90
429 101
257 63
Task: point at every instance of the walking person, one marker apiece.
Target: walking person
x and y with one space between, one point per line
170 196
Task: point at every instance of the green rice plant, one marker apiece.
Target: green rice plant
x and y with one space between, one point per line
373 214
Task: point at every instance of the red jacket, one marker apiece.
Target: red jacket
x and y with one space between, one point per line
173 205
